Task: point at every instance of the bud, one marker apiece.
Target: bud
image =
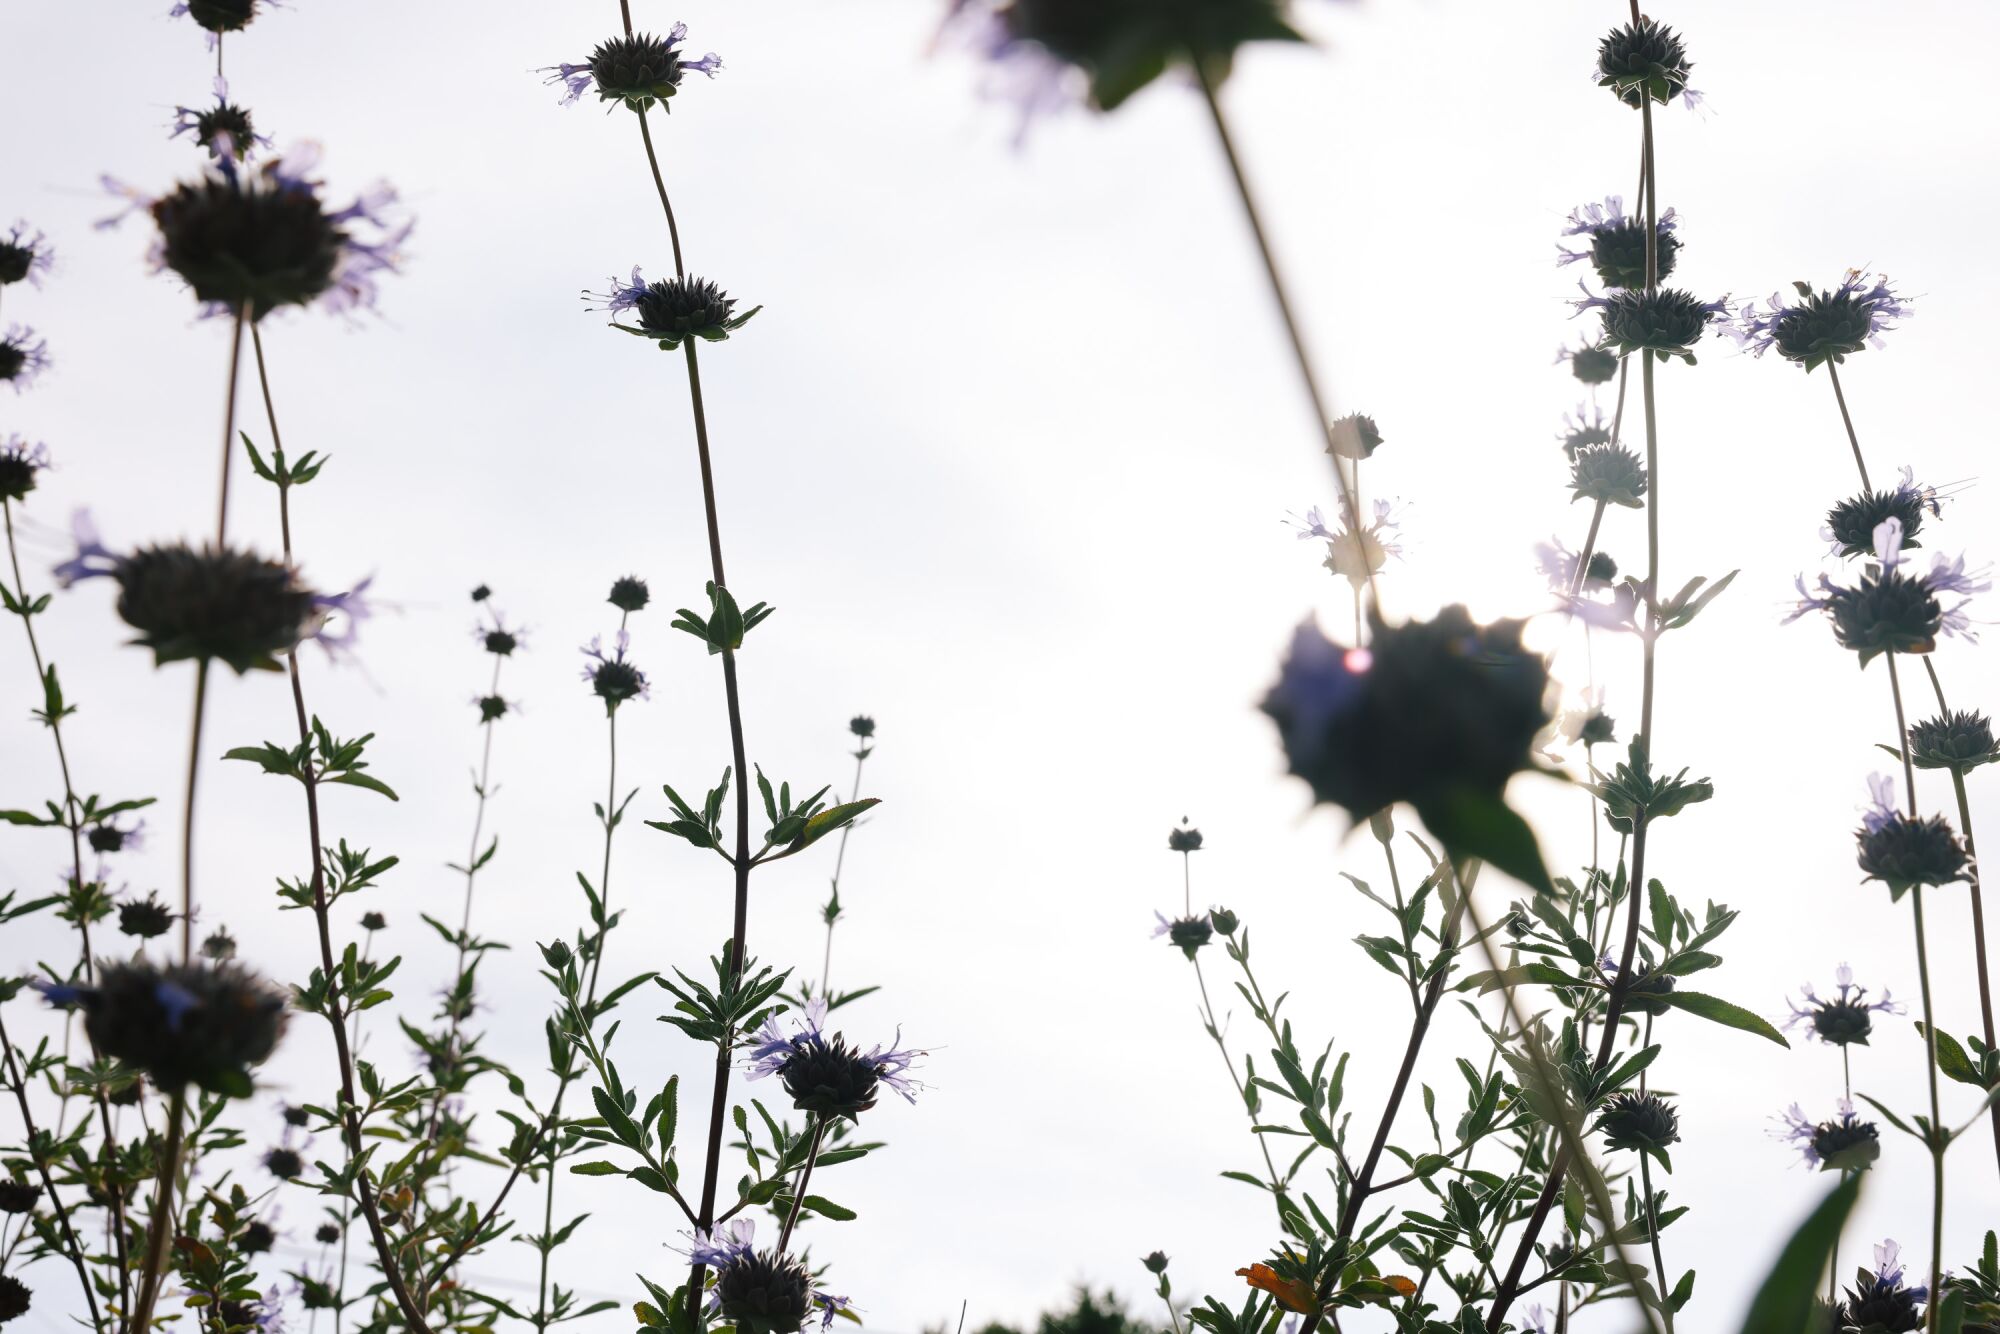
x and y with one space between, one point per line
297 1118
373 921
1156 1263
1601 570
146 918
1184 839
284 1163
630 594
1609 475
557 953
1642 60
1648 991
1354 436
763 1293
327 1234
1960 741
220 945
1643 1122
861 725
1594 365
1223 920
481 593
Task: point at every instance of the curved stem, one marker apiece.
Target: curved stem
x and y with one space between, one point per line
1350 501
660 184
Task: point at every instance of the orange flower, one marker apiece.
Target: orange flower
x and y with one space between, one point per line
1292 1294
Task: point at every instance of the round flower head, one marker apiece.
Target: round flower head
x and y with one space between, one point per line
1183 838
1583 429
297 1118
1359 556
223 129
492 708
1843 1143
825 1075
861 725
496 638
1664 321
327 1234
1616 244
212 604
1608 474
21 466
23 356
1960 741
204 1024
145 918
762 1292
1431 707
24 256
284 1163
1642 60
630 594
256 1238
1354 436
1890 611
1879 1302
258 240
1903 851
108 836
1850 525
1846 1017
15 1298
614 679
373 921
1186 934
18 1197
1590 363
1823 326
1642 1122
1116 47
673 311
218 16
219 946
637 69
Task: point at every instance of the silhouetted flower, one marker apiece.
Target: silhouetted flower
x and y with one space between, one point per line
1961 740
1889 611
1644 59
614 679
1354 436
1642 1122
23 356
1592 364
25 256
1879 1302
861 725
256 1237
1903 851
208 604
193 1023
1847 1016
1842 1143
219 16
373 921
1184 838
1608 474
1186 934
638 69
1823 326
630 594
1850 525
497 639
1664 321
284 1163
15 1298
255 240
1223 920
223 129
1430 707
825 1075
21 467
492 708
108 836
327 1234
672 311
759 1292
1156 1263
219 946
1582 429
1616 247
18 1197
145 918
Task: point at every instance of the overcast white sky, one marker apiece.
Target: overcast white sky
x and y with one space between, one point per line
1009 449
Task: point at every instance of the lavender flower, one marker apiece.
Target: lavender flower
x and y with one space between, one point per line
1823 326
1664 321
21 465
24 256
760 1292
23 356
223 129
1850 525
674 310
720 1246
1848 1015
108 836
1843 1143
1616 244
1883 1302
257 240
611 676
214 603
1889 611
1906 850
638 70
1359 556
825 1075
497 639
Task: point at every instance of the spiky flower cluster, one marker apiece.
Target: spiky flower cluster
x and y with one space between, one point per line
612 677
21 465
759 1291
23 356
1851 524
1664 321
673 310
1960 740
1641 60
1847 1017
827 1076
1428 707
224 129
194 1023
1843 1142
1880 1301
1610 475
1904 851
25 256
1186 934
1641 1122
1890 611
1616 248
638 70
1823 326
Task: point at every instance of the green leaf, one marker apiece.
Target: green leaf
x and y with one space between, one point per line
1952 1061
1480 824
1784 1303
353 779
597 1169
1717 1010
826 1208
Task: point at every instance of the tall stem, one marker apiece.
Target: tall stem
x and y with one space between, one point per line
162 1222
805 1178
1350 502
350 1114
839 861
1660 1285
1853 441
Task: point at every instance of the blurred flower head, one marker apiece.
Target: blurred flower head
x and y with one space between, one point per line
219 16
630 594
23 356
1615 245
1583 429
1184 838
1354 436
200 1023
21 466
1823 326
1848 1016
25 256
612 677
1592 363
1842 1143
636 69
223 129
1608 475
1880 1301
1186 934
145 918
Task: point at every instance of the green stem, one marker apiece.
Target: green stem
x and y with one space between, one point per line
1660 1285
163 1215
805 1179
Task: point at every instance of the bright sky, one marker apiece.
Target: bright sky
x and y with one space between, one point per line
1009 450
